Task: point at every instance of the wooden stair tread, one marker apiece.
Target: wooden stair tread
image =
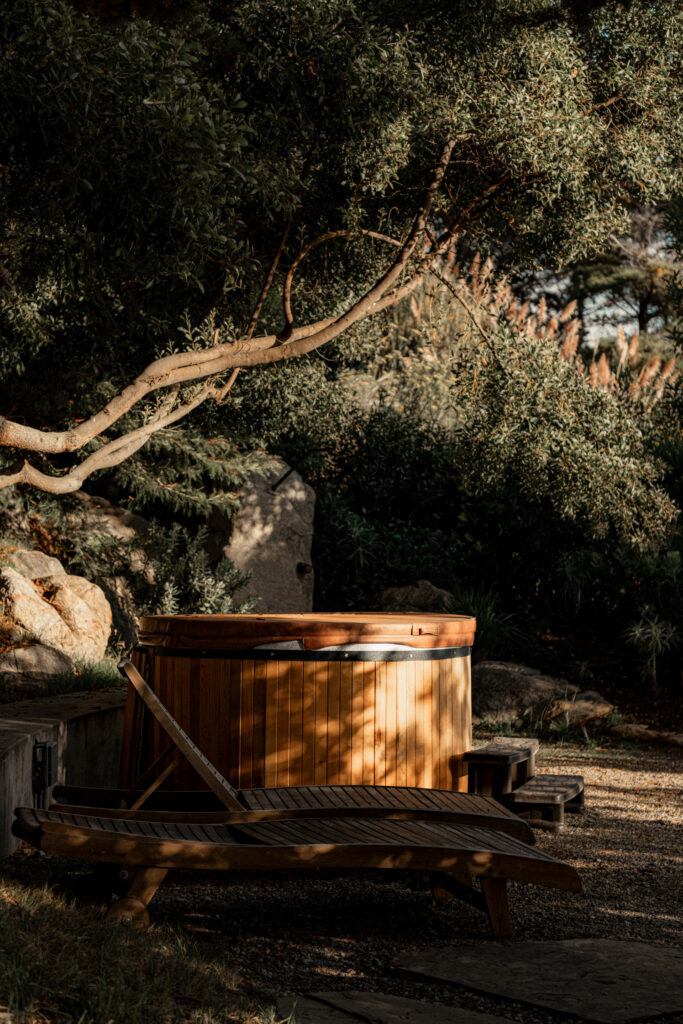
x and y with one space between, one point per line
548 789
500 753
525 742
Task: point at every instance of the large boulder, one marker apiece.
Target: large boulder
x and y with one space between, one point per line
100 516
422 596
32 667
35 565
271 537
644 734
520 696
65 612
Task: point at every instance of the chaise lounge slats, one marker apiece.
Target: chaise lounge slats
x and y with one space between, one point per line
307 843
373 801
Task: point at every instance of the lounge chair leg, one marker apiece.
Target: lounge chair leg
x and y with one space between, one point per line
496 897
132 908
447 885
145 883
129 911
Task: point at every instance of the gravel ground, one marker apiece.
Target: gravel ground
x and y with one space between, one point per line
297 933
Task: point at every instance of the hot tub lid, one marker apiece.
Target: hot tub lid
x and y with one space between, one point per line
314 630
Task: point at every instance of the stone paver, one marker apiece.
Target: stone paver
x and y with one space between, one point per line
309 1011
375 1008
601 980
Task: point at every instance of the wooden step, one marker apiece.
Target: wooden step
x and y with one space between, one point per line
501 766
543 799
548 789
503 750
527 743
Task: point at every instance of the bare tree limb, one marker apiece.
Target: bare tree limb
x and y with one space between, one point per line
220 393
328 236
109 455
182 368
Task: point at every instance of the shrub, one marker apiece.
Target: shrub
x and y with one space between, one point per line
176 575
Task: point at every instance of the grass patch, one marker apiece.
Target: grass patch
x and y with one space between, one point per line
97 675
64 964
559 732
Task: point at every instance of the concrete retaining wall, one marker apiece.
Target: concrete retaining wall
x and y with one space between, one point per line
88 730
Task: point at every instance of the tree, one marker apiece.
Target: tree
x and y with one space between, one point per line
631 281
183 198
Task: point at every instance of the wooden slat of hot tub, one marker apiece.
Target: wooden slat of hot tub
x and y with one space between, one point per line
391 727
424 697
446 689
237 632
345 721
307 716
285 723
320 734
261 672
358 718
296 723
246 723
332 722
270 738
367 697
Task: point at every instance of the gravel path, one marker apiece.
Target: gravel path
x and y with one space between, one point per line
628 848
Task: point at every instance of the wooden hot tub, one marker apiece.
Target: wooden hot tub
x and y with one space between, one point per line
288 700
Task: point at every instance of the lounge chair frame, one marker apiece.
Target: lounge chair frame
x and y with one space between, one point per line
452 855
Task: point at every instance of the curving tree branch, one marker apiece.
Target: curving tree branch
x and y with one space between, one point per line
327 237
172 371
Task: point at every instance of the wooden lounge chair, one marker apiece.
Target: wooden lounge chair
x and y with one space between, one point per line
454 855
209 807
150 842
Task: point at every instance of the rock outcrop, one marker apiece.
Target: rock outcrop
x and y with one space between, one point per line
504 693
100 516
61 611
643 734
32 667
271 537
422 596
34 565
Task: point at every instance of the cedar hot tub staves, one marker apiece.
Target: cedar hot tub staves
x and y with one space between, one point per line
279 700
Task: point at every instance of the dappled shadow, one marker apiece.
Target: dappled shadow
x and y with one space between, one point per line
285 722
341 929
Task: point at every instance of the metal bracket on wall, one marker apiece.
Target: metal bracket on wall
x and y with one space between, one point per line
44 771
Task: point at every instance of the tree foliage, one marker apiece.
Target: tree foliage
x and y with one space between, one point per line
159 170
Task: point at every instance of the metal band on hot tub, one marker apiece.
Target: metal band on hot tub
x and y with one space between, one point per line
264 654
